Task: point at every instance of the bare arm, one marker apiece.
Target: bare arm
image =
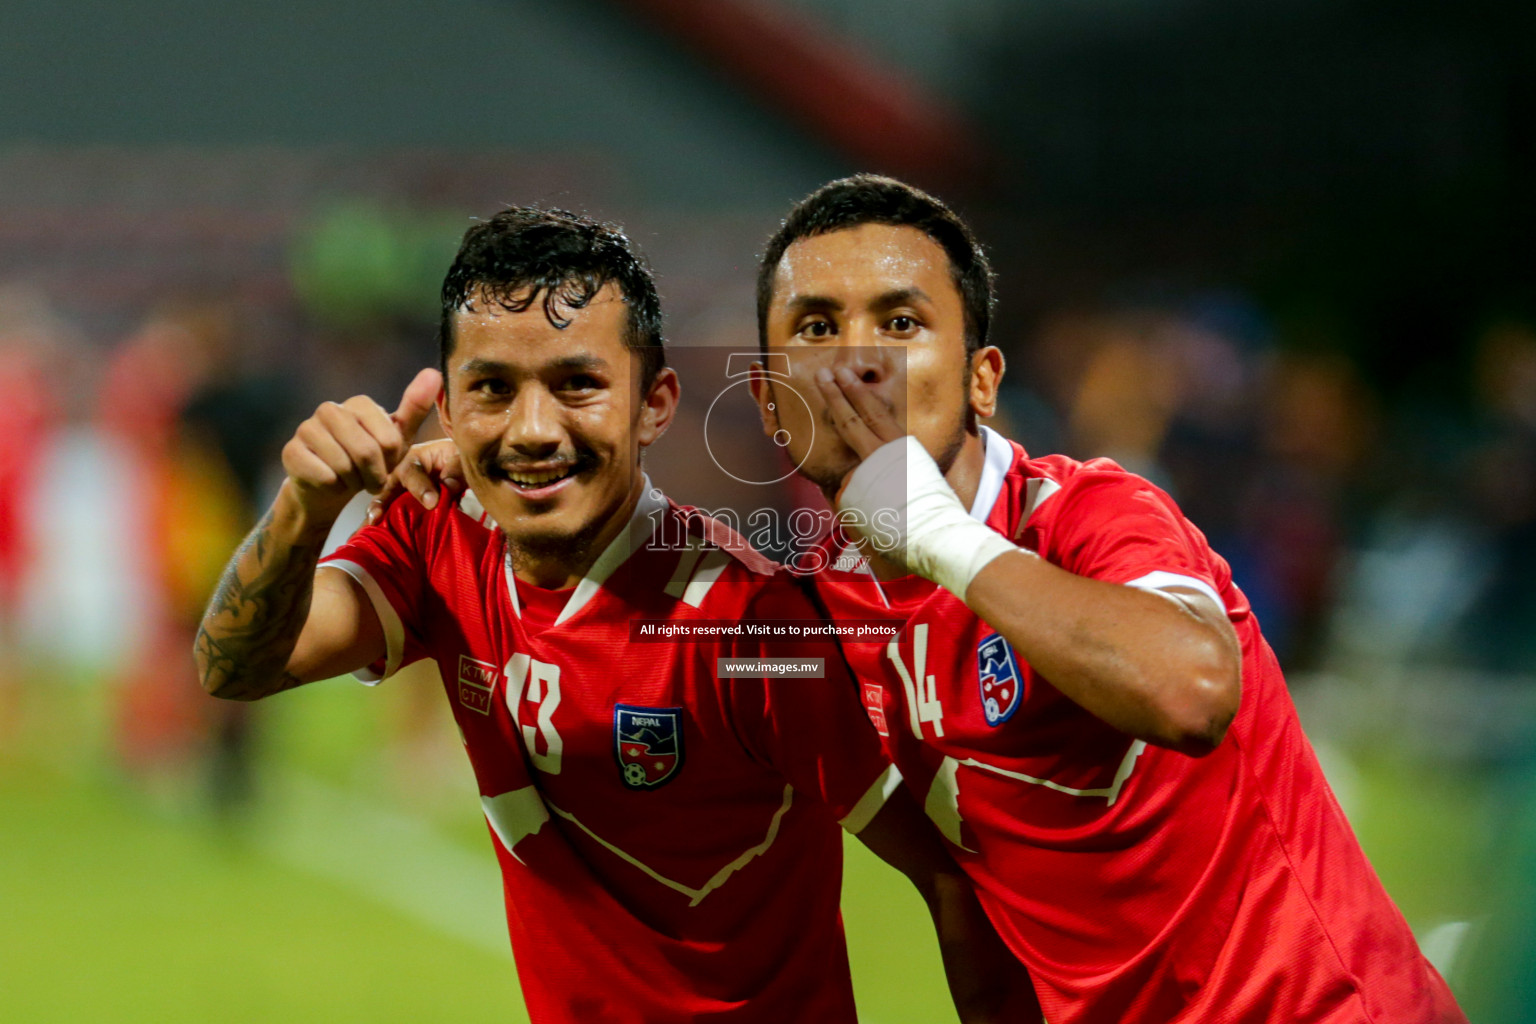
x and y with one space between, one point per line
1164 667
986 981
275 622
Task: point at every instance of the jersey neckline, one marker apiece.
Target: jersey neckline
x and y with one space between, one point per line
641 525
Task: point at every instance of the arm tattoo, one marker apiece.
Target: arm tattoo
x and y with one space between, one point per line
253 622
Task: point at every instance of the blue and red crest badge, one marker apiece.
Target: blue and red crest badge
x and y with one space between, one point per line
1001 681
648 743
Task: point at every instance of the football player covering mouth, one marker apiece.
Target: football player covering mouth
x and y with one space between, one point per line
1080 696
668 834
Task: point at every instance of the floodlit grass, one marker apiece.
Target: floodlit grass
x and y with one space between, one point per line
362 887
115 913
1427 831
897 975
124 901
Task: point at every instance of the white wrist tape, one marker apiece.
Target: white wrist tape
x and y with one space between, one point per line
902 505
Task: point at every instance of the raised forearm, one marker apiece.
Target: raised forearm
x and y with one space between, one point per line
1160 667
265 608
1163 667
252 625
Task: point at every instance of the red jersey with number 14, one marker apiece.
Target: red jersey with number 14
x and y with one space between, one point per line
668 840
1138 884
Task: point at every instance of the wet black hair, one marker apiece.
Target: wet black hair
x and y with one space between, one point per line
524 253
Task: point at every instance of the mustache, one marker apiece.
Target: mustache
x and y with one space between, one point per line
578 461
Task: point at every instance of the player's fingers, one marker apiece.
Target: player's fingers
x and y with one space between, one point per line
305 467
381 425
875 411
453 477
412 475
370 438
427 469
391 490
440 465
350 447
417 402
846 420
342 473
442 462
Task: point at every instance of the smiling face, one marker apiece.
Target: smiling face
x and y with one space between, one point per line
550 422
881 301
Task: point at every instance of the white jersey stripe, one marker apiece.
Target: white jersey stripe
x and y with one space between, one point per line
1124 771
873 799
1110 792
511 577
1036 493
684 570
389 619
695 896
642 523
747 856
470 505
852 555
943 803
515 815
1164 580
705 576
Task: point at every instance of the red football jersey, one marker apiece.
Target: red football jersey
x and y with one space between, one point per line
1137 883
668 840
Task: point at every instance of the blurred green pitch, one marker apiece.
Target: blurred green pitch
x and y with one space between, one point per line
125 900
362 887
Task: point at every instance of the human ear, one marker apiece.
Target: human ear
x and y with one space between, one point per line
660 405
987 367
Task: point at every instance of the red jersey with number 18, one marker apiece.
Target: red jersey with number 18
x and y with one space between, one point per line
1136 883
668 840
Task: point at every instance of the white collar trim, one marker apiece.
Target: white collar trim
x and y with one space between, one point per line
642 523
999 457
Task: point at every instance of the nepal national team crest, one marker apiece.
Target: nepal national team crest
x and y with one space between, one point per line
1001 682
648 743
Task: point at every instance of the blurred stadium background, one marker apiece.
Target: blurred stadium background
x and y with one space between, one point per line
1277 257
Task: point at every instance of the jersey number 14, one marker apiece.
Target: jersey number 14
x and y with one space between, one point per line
922 699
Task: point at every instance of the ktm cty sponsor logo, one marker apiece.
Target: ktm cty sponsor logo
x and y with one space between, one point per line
476 680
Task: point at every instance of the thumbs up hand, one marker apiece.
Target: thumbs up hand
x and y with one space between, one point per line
354 446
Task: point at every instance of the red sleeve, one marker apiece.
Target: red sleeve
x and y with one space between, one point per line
388 560
813 731
1111 525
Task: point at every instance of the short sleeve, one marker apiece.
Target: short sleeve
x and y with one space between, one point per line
1114 526
387 561
813 731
